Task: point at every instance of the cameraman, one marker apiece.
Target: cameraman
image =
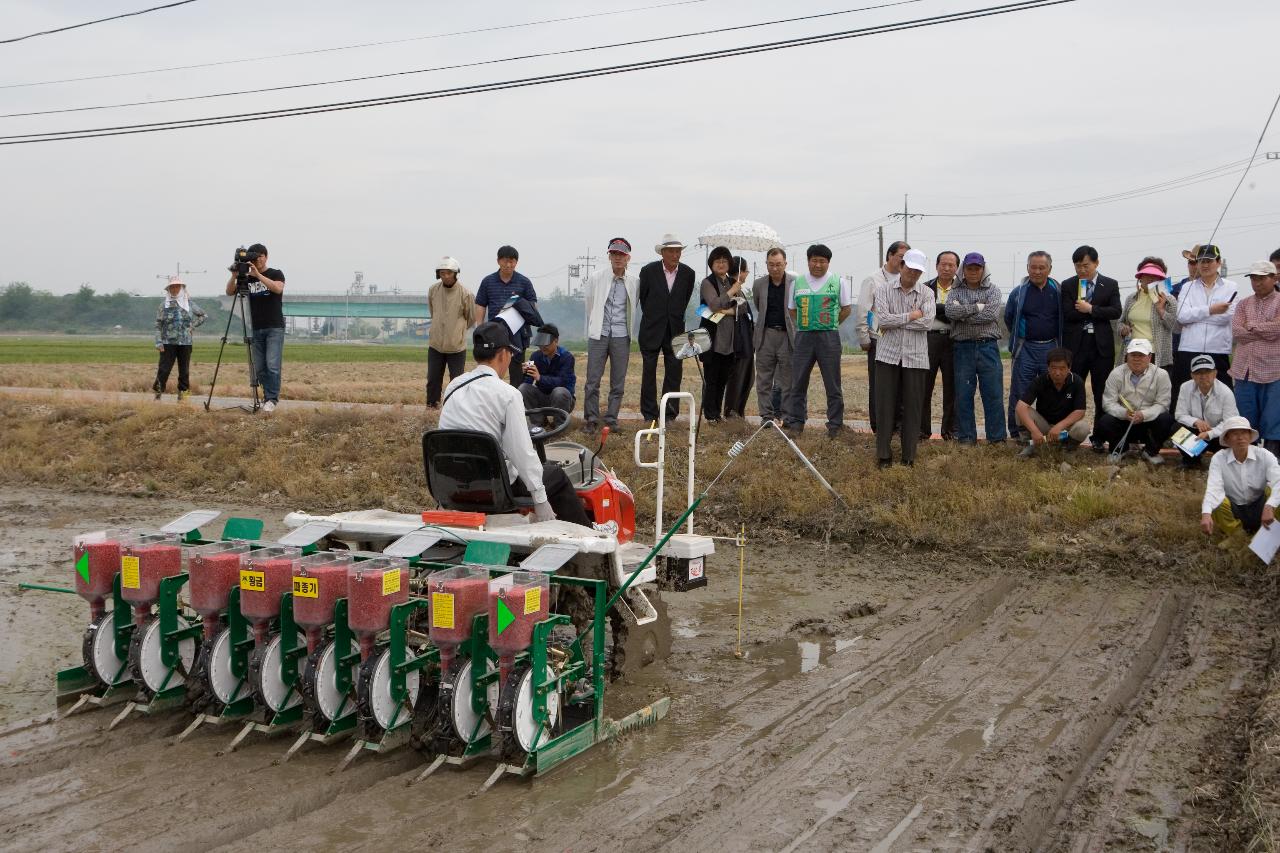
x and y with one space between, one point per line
266 313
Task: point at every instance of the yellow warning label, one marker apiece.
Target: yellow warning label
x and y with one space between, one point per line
532 600
390 581
129 573
306 588
442 610
253 581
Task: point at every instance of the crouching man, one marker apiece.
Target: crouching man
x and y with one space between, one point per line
1054 405
1244 483
482 400
1136 404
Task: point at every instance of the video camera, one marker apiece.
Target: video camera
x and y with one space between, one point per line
240 266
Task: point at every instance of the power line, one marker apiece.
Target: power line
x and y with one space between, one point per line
360 46
1124 195
476 64
98 21
643 65
1245 174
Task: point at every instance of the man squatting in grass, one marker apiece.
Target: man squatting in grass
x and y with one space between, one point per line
1243 488
1059 402
266 313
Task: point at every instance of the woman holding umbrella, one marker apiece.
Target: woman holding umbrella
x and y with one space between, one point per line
719 312
742 374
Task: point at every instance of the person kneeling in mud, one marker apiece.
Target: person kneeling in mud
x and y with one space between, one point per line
1244 483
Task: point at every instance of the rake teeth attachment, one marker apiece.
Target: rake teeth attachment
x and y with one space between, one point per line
646 716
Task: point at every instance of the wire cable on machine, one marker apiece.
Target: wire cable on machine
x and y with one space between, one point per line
476 64
643 65
362 45
91 23
1245 174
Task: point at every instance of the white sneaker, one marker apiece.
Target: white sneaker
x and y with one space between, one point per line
268 407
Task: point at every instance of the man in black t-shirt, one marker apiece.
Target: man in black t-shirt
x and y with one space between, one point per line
1059 405
266 315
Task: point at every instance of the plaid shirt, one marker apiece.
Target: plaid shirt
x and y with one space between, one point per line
1257 337
903 341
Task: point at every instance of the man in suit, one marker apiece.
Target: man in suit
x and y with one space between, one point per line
1089 303
664 292
775 335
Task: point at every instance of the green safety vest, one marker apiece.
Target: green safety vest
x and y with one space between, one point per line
817 310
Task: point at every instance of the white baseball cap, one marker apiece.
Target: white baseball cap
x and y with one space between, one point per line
1141 345
916 260
1261 268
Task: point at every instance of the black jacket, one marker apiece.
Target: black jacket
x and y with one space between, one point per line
662 311
1106 307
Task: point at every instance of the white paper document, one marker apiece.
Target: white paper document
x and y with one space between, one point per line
1266 542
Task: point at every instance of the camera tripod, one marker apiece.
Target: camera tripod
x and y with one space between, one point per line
240 301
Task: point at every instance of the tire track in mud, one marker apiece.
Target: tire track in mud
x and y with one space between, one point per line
799 714
1025 818
864 749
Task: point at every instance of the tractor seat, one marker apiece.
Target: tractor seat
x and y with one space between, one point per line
467 471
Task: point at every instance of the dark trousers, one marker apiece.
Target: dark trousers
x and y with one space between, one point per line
181 353
1029 361
902 389
673 370
516 372
822 349
436 363
871 384
1088 361
941 358
716 369
564 501
737 389
1182 372
1151 434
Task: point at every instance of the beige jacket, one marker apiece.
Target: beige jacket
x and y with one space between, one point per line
452 310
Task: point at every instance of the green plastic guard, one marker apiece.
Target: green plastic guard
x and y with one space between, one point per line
242 528
487 553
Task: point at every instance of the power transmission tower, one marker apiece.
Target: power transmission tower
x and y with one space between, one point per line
586 268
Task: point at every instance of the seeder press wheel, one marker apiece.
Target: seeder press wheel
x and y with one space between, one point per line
319 685
458 721
213 685
373 693
628 647
98 650
146 663
515 714
269 689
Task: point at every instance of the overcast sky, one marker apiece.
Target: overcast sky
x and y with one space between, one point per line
1035 108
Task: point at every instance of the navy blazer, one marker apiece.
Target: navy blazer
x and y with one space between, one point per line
1106 307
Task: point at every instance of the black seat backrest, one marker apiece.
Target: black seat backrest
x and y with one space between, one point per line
467 471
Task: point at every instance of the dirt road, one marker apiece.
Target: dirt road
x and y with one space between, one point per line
885 702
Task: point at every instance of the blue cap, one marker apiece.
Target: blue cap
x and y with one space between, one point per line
974 259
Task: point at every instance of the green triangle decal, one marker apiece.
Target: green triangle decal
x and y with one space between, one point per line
82 566
505 617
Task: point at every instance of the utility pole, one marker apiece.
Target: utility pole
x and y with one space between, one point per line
586 264
906 215
880 257
179 272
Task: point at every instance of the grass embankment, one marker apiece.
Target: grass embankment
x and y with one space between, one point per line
979 502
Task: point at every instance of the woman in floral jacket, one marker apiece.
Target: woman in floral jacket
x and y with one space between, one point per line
177 316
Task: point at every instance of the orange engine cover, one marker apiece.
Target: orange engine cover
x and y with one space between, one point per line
611 500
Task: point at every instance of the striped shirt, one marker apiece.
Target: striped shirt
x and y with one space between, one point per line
968 321
902 340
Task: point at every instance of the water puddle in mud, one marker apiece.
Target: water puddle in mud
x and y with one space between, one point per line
792 657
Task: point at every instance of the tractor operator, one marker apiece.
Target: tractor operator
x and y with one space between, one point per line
481 400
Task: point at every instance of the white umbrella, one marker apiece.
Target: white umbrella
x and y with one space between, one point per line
740 234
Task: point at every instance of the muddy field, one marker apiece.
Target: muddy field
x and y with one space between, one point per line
884 702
